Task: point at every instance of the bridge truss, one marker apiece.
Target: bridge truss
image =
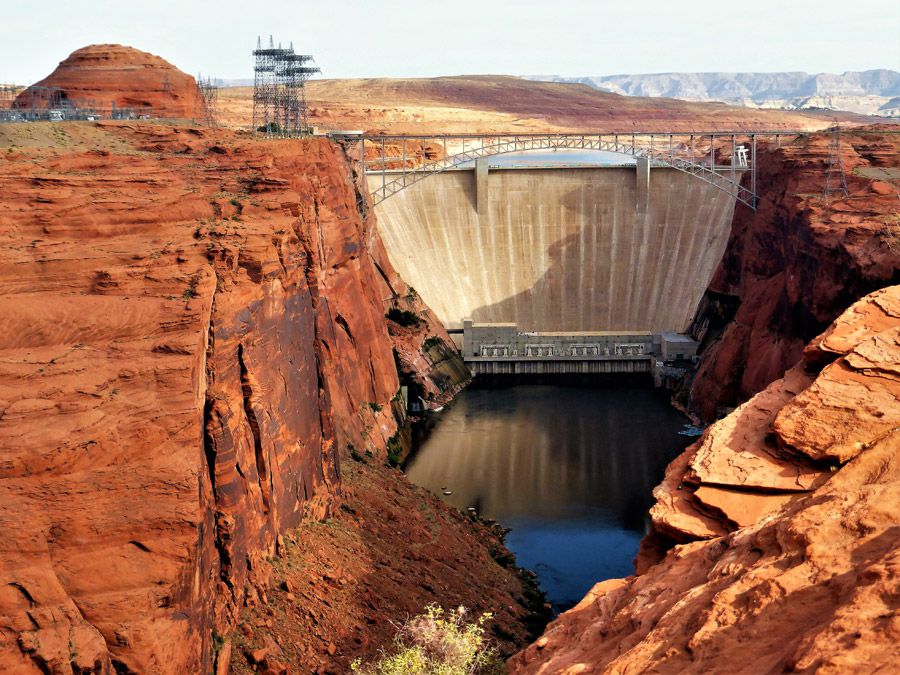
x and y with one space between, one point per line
391 163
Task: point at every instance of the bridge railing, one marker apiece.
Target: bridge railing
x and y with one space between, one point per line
392 163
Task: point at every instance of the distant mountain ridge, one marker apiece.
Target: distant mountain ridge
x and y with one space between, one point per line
867 91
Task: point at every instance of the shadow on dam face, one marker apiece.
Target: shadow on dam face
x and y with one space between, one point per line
559 249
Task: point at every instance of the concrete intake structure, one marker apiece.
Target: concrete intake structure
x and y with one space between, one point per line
559 249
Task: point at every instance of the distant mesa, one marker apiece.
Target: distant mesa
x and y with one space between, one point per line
867 92
101 76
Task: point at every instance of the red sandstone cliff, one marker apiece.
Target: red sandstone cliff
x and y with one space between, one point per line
789 507
99 76
194 332
796 263
774 542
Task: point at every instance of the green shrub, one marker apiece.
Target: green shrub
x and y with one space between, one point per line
191 290
403 317
437 643
354 454
431 341
394 449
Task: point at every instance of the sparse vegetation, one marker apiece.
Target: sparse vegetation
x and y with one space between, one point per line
891 235
437 643
394 449
354 454
375 407
403 317
431 341
218 641
191 290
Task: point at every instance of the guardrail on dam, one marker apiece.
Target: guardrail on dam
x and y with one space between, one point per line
559 249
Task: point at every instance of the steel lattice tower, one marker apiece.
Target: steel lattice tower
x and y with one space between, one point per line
206 106
279 93
7 95
835 179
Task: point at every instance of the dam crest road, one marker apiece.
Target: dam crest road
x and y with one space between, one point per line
391 163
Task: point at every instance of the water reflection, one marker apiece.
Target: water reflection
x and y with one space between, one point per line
570 469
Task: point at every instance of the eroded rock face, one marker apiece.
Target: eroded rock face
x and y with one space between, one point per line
99 76
795 264
787 512
194 328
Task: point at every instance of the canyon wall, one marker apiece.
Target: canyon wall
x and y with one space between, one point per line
796 263
559 249
773 538
195 331
788 510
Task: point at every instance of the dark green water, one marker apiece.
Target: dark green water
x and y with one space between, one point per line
569 469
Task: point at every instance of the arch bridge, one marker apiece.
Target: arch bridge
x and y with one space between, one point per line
391 163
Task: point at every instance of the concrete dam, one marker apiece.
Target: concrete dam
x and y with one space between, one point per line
562 269
559 249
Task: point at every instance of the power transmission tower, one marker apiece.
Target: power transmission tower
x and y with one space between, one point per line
835 179
279 89
206 106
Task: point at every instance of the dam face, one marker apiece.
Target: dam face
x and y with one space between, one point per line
559 249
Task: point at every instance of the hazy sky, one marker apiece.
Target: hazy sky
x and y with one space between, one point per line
416 38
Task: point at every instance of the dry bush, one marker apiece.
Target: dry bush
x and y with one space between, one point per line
890 234
437 643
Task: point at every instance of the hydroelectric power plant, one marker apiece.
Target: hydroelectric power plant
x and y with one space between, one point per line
558 255
588 260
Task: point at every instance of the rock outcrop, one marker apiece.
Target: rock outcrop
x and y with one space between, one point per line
788 511
194 332
342 586
797 262
107 76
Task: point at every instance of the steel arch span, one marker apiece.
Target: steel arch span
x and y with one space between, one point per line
391 163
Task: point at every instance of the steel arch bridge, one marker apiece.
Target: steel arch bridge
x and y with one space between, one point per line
391 163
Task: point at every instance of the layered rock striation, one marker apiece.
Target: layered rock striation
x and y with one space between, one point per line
787 511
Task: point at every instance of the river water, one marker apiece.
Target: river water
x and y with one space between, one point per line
569 469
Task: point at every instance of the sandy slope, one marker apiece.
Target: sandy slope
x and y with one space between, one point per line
486 103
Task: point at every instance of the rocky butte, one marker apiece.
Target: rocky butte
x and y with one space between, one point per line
103 75
200 387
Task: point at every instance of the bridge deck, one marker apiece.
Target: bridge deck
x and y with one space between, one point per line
694 153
